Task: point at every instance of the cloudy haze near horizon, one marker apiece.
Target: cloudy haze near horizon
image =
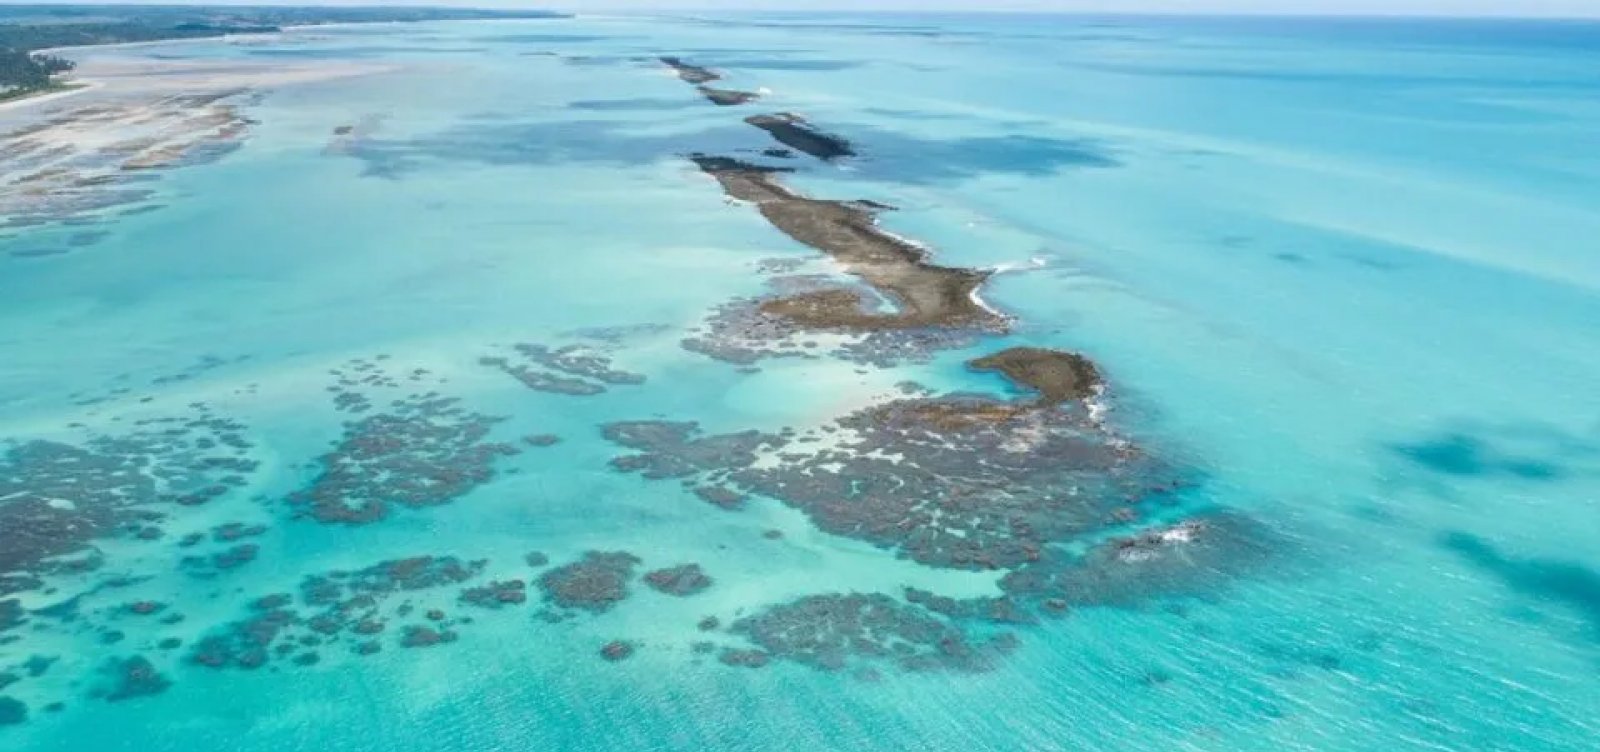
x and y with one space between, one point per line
1539 8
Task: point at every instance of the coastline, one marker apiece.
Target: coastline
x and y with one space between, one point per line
80 85
71 162
62 91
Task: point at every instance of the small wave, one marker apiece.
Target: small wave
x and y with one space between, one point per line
1036 262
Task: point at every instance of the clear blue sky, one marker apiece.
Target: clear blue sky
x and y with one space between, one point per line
1570 8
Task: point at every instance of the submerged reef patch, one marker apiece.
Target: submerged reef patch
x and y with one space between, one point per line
133 677
617 650
339 605
962 481
13 712
594 583
835 632
1566 582
1032 486
424 451
682 580
497 594
579 369
56 498
1193 558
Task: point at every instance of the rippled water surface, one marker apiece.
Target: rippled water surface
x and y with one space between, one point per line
371 429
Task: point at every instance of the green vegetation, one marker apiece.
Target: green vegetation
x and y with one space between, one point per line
25 29
22 73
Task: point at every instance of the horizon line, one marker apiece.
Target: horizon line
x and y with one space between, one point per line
650 10
659 10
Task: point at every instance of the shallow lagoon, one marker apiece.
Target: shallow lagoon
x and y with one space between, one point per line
1339 277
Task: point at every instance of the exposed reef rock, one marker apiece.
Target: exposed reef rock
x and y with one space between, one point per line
728 97
689 73
1057 376
924 294
909 308
799 134
700 76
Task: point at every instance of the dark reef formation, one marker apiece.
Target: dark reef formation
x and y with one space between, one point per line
682 580
59 498
579 370
962 481
690 73
1193 558
1055 375
1035 487
427 450
926 294
728 97
497 594
12 711
699 76
1032 486
594 583
742 658
841 631
418 636
617 650
908 308
339 606
133 677
799 134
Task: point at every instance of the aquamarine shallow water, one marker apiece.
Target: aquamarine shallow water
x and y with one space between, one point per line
1346 270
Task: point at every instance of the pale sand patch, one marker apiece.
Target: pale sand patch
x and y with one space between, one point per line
76 159
79 87
137 76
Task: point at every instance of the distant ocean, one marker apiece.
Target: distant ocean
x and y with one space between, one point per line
390 408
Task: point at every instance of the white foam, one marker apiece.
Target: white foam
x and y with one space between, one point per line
1036 262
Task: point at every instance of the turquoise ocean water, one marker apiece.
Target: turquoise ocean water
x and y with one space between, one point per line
1348 272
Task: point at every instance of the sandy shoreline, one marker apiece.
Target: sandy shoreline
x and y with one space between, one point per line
79 86
70 158
87 78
